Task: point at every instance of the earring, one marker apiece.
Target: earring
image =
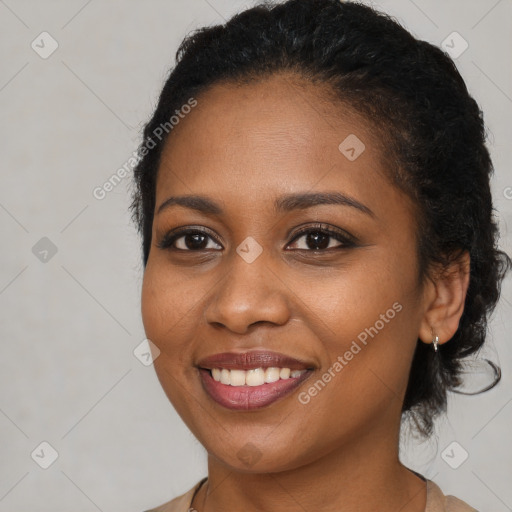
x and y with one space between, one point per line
435 340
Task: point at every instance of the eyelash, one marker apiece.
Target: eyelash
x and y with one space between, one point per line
346 240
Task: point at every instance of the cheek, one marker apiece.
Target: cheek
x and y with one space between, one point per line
373 327
167 311
168 319
367 302
154 303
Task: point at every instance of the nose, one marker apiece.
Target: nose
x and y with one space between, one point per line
249 293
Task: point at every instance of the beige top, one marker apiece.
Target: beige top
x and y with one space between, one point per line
436 501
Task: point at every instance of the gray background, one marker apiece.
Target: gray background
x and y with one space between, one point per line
70 323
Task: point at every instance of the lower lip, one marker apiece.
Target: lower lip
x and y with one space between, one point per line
249 397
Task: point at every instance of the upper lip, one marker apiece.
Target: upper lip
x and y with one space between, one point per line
251 360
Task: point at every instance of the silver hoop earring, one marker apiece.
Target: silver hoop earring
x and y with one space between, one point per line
435 341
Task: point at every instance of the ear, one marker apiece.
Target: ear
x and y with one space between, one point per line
445 295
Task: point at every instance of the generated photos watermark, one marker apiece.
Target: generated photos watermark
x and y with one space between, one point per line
101 191
354 349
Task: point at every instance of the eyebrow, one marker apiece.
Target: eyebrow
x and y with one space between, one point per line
283 204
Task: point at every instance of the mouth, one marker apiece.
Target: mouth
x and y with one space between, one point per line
251 380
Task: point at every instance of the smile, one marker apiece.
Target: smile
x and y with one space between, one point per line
251 380
255 377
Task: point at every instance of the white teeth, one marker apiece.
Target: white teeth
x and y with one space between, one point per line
225 376
254 377
284 373
271 375
237 378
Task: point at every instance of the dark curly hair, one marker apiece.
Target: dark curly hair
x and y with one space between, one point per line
412 95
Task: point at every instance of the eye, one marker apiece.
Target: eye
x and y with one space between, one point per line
194 240
317 238
320 236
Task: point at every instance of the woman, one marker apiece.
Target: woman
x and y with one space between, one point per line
320 254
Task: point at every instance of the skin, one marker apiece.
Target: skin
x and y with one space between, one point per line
244 146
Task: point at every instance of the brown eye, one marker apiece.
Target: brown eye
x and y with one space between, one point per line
192 240
321 238
316 238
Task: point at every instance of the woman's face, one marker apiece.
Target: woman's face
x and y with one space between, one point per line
347 310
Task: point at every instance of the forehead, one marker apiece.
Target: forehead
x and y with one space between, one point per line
253 142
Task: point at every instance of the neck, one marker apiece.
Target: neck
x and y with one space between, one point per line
363 474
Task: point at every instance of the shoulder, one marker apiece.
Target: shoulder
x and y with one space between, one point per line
180 503
438 502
